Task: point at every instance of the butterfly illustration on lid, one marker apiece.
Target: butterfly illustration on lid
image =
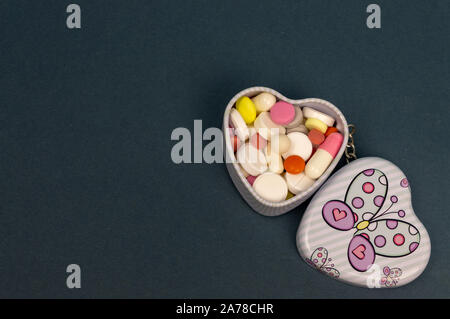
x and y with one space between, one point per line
319 260
376 232
391 276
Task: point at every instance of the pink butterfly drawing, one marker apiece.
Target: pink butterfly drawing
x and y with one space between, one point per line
376 233
319 260
391 276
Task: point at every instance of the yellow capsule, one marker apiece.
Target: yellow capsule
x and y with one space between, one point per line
316 124
247 109
362 225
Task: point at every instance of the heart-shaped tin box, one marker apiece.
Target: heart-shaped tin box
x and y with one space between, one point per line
360 227
259 204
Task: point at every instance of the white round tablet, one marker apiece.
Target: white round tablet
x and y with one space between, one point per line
298 183
240 128
271 187
252 160
314 114
300 145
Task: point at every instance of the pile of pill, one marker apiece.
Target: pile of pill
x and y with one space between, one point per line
281 148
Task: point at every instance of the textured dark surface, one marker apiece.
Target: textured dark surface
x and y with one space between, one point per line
85 123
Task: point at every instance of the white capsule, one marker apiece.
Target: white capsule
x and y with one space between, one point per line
318 163
324 155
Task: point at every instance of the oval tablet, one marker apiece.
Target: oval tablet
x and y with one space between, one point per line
246 108
298 119
266 127
300 145
312 123
301 128
240 128
274 160
268 152
280 143
273 156
252 160
314 114
282 113
263 102
235 141
271 187
298 183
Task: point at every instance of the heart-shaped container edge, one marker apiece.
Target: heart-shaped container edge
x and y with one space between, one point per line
259 204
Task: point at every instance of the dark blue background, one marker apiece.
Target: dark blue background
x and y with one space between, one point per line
86 117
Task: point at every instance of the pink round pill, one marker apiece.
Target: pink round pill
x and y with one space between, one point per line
251 179
282 113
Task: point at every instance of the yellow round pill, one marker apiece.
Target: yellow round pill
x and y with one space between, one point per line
247 109
316 124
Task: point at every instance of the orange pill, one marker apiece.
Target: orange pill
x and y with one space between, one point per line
294 164
330 130
316 137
